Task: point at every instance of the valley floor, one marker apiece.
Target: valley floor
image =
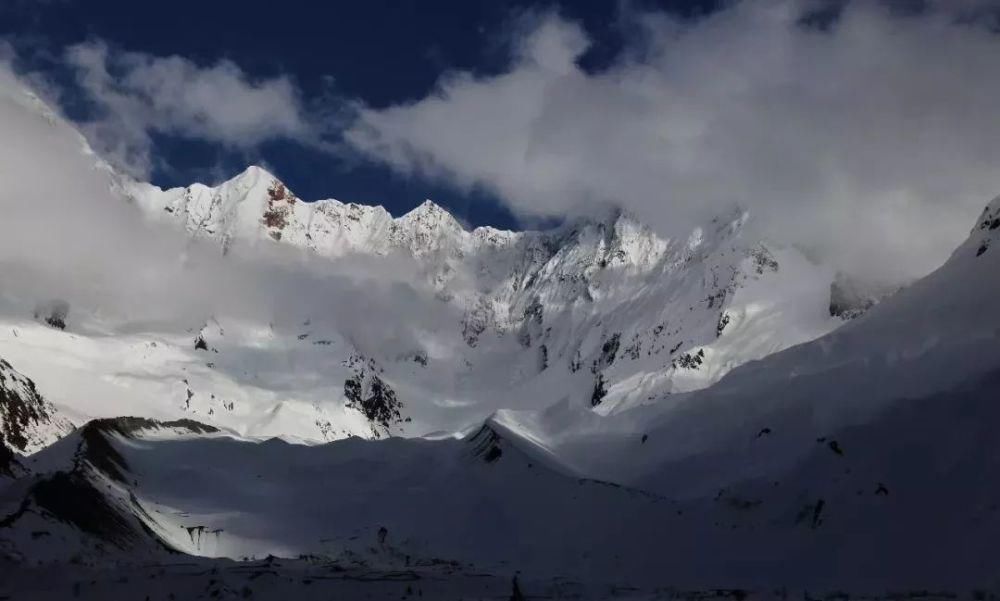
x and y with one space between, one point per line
310 579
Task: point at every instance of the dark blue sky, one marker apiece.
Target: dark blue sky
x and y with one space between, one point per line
381 51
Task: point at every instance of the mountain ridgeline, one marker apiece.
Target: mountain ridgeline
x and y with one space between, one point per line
574 311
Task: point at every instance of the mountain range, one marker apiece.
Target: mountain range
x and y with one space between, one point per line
593 410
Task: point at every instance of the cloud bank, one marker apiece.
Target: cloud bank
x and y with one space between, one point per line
871 140
73 238
138 94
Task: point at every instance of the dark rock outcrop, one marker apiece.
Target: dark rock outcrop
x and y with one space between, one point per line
26 419
368 393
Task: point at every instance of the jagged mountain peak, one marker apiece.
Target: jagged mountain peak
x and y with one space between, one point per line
256 172
428 228
244 181
986 232
252 183
256 205
428 210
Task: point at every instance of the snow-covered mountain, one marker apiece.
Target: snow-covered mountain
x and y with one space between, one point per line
861 460
593 408
349 321
602 311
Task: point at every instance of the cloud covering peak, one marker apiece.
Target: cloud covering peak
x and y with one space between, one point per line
870 140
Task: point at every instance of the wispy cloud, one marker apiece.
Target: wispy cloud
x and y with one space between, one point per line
138 94
872 141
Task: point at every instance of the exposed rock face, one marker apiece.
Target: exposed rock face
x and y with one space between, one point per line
372 396
986 230
846 304
280 204
599 390
850 298
27 421
9 465
486 444
54 313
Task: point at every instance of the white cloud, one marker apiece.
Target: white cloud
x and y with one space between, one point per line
138 94
71 237
873 142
